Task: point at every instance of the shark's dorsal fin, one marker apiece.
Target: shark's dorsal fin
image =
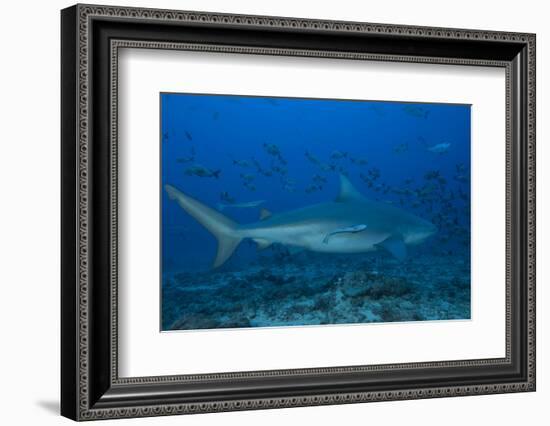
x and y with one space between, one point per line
264 214
347 191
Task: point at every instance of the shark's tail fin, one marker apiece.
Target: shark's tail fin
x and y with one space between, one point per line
223 228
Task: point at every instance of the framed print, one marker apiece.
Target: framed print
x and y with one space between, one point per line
343 286
263 212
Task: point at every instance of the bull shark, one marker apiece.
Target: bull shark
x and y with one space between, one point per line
349 224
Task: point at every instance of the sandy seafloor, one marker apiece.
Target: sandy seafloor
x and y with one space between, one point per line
283 289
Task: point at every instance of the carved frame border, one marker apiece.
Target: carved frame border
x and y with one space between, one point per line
85 13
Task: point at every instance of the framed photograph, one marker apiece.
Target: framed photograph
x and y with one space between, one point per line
263 212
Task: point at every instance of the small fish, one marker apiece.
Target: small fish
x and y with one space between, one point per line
416 111
460 167
245 205
327 167
440 148
260 169
201 171
279 169
272 149
250 186
425 190
402 147
241 163
247 177
312 158
349 229
265 172
343 171
288 185
374 173
318 179
188 135
338 155
228 199
400 191
432 174
366 179
288 180
188 159
165 136
461 178
313 188
215 115
359 161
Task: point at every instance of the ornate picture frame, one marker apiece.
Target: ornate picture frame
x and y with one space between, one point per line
91 37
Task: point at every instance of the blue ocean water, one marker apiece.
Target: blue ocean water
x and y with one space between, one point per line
282 154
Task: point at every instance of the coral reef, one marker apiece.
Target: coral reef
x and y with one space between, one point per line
313 289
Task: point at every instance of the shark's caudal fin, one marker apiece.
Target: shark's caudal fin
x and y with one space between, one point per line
223 228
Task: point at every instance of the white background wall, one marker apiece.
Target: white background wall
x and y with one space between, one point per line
29 212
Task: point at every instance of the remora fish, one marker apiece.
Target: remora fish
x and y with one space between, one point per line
246 205
356 228
388 227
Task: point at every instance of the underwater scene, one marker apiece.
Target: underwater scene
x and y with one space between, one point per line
296 212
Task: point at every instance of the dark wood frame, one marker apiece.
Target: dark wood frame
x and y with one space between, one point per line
90 386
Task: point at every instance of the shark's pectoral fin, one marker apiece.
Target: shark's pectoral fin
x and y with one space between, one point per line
395 246
262 244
